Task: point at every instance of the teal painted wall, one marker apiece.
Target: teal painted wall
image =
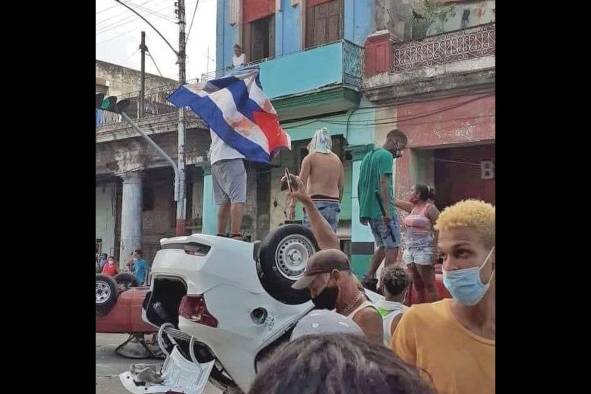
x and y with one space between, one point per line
303 71
210 217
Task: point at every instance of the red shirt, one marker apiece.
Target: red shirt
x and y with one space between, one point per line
110 269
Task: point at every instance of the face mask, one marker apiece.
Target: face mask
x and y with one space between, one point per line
327 299
465 285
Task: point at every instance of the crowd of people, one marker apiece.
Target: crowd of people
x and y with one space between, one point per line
136 265
350 344
435 346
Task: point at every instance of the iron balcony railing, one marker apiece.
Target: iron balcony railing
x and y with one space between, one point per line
154 104
444 48
352 63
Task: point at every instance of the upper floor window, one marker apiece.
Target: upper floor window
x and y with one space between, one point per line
258 34
324 22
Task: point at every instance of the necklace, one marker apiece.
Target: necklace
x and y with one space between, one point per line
352 304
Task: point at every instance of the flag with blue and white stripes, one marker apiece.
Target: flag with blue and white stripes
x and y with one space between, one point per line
238 111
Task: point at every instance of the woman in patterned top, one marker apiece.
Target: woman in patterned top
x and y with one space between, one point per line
420 241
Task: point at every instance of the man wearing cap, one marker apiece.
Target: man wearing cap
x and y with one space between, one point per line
332 285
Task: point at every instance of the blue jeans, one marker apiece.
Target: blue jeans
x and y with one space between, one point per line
329 210
383 234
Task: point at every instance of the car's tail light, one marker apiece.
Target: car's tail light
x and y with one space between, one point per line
193 308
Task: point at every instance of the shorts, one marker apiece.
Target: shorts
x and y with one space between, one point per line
382 235
229 181
330 210
421 255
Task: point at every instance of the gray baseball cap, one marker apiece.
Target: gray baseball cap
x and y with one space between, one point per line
323 321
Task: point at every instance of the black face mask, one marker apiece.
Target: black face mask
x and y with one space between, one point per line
327 299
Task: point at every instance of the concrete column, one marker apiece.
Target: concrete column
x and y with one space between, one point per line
131 215
210 210
362 242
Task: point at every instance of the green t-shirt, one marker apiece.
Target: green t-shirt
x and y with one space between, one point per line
375 164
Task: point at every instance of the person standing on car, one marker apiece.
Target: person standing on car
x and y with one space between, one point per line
140 267
324 176
110 267
391 308
453 340
376 204
229 185
420 241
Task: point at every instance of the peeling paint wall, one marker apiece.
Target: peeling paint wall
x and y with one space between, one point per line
455 121
123 80
106 211
396 16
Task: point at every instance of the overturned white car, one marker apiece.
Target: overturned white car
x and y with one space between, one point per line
231 300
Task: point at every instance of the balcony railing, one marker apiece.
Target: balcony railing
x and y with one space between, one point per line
444 48
154 104
352 57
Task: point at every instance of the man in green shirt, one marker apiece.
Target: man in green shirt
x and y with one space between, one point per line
375 192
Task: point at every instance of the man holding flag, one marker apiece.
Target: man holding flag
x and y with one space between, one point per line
244 126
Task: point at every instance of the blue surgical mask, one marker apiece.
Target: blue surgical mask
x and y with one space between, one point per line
465 285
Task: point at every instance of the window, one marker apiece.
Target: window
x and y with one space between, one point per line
259 39
324 22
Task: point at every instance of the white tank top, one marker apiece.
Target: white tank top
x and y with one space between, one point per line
389 310
360 307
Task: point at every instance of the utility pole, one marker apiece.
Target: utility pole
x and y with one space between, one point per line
182 200
143 48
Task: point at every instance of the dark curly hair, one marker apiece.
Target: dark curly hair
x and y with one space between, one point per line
395 279
337 363
425 192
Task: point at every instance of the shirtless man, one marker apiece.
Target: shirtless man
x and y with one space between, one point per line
324 176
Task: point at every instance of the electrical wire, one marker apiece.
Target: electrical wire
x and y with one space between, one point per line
154 61
192 20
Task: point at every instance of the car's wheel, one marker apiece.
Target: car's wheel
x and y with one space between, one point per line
125 280
106 293
282 259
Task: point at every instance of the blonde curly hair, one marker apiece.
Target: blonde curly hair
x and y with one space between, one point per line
475 214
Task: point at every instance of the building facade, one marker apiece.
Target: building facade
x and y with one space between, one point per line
438 87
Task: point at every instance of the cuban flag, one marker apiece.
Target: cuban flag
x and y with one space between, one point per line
238 111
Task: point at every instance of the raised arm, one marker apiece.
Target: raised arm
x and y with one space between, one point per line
322 231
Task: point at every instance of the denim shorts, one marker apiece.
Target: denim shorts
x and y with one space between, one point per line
421 255
383 236
330 210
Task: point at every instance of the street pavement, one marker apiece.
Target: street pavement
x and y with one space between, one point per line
109 365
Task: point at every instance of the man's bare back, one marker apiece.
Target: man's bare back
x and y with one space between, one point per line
323 174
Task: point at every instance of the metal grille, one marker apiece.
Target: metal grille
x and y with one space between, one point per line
445 48
352 61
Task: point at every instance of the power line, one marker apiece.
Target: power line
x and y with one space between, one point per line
192 20
125 20
110 19
154 61
122 22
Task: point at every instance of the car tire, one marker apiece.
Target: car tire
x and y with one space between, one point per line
283 255
106 294
125 280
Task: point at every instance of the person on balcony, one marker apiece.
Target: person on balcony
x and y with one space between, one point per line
239 58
